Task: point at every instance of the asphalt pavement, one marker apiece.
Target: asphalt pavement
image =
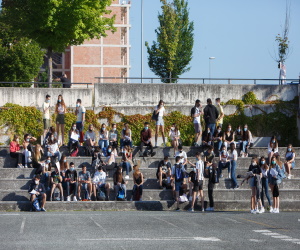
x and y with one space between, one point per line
149 230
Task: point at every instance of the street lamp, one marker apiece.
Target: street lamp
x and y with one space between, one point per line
210 58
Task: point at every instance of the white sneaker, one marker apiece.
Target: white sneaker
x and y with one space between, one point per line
276 211
74 198
127 177
202 209
271 209
25 166
253 211
289 177
20 166
229 176
68 198
262 210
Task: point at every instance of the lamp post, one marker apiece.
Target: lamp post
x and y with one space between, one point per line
210 58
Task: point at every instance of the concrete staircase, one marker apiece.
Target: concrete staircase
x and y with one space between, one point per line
14 184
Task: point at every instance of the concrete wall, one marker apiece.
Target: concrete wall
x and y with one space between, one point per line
183 94
36 96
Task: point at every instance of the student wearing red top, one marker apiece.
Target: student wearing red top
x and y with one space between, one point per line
14 149
146 139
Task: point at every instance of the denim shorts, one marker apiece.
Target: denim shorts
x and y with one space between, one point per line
178 185
100 186
293 164
252 182
160 121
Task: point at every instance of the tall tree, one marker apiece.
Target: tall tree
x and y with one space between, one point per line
20 58
56 24
170 55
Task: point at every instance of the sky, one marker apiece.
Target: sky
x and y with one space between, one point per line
240 34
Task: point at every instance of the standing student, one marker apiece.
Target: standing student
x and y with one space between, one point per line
174 135
14 151
196 177
138 180
265 183
210 116
272 148
80 118
196 113
160 111
60 110
246 140
46 114
233 155
127 161
289 160
221 112
178 174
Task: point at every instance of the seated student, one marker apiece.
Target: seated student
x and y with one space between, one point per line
238 135
138 180
99 182
50 132
119 183
218 137
178 173
38 160
126 138
84 182
37 191
110 161
289 160
206 138
209 155
14 151
28 150
164 171
113 137
183 156
224 162
146 140
127 161
63 163
46 174
174 135
89 140
56 181
73 143
228 136
97 159
272 148
71 181
103 139
246 141
53 149
196 177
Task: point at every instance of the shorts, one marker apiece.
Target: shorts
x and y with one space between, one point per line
252 182
178 185
79 126
160 121
46 123
60 119
164 176
198 185
293 164
197 127
100 186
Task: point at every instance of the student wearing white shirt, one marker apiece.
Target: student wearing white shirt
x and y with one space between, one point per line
182 155
197 177
89 140
46 114
289 160
73 138
160 111
265 183
233 155
99 182
80 118
272 148
196 113
174 135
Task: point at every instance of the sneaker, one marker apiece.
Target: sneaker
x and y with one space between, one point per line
74 198
262 210
153 153
221 176
191 198
20 166
127 177
254 211
289 177
89 199
25 166
191 209
203 210
43 210
177 209
237 187
276 211
68 198
229 176
271 209
62 198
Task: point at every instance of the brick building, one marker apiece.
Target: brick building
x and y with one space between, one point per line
104 57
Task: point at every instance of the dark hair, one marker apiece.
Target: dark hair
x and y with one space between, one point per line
72 163
100 167
78 100
180 147
83 166
209 101
218 99
146 123
160 102
288 147
219 126
166 157
37 177
198 153
210 147
47 96
177 158
197 101
113 124
232 146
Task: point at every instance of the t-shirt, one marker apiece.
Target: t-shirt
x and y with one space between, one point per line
90 135
182 155
55 177
220 110
80 112
289 156
200 166
99 177
113 134
60 109
46 113
233 155
84 176
255 169
53 147
174 134
196 111
71 175
164 166
209 156
224 157
161 112
104 135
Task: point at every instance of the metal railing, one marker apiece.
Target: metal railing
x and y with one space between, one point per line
42 84
197 80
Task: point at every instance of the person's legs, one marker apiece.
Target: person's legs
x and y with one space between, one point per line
219 144
220 168
68 188
127 167
107 188
125 190
194 195
62 127
253 194
32 197
160 173
202 199
57 130
59 185
210 194
270 156
228 166
43 200
156 134
162 129
117 188
89 188
79 191
233 173
212 127
51 192
141 147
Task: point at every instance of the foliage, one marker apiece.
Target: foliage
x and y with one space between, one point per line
21 120
172 53
20 58
57 24
250 98
109 113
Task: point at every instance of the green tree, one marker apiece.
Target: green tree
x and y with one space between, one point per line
20 58
57 24
171 54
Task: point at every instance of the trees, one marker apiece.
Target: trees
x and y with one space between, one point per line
20 58
57 24
170 56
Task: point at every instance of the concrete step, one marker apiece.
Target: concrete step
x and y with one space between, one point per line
18 206
150 183
157 194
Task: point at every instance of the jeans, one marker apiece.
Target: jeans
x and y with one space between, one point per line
74 187
223 166
103 143
148 145
265 186
210 187
244 145
126 166
17 156
72 144
135 189
219 143
125 143
212 127
233 174
56 154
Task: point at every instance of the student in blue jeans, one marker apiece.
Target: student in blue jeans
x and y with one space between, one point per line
264 182
233 165
224 162
178 173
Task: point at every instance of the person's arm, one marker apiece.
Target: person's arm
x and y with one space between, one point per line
193 165
233 137
83 117
142 179
12 147
222 113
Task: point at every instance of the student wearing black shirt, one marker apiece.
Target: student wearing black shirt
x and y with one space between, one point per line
71 181
218 137
39 192
163 171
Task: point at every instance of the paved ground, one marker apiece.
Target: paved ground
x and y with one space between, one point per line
149 230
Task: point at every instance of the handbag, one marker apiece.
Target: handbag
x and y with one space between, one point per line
154 116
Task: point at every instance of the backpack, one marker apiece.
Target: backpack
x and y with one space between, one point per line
154 116
74 152
101 194
178 172
56 194
36 205
121 195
